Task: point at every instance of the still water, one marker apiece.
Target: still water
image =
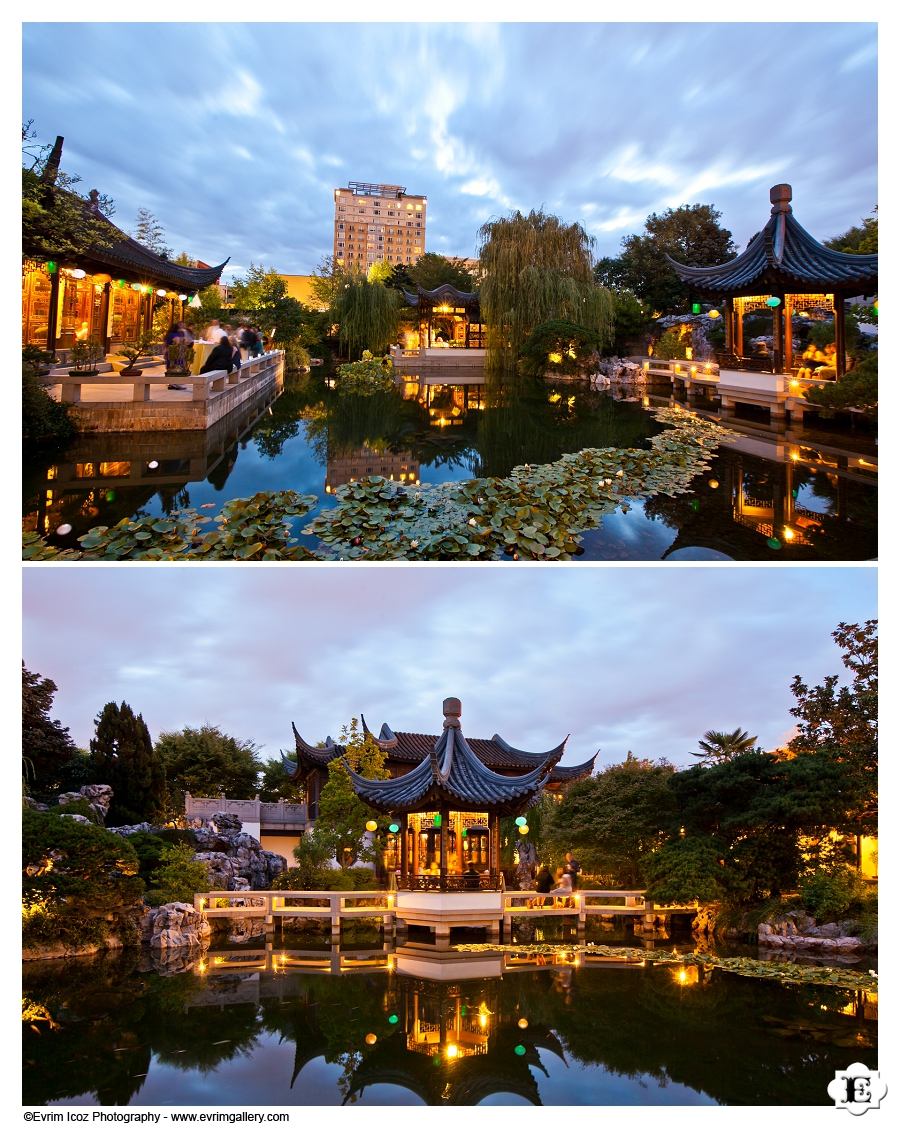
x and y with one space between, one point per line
408 1027
768 495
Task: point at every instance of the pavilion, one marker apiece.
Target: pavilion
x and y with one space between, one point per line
452 315
107 293
446 796
786 271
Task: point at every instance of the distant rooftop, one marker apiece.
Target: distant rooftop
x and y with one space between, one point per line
388 191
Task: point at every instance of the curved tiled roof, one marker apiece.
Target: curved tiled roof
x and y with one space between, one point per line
440 294
783 257
452 775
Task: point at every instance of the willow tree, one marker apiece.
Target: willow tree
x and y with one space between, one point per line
367 315
536 269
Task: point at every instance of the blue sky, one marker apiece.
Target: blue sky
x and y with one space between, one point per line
624 658
235 135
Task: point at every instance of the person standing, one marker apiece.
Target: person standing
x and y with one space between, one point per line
572 868
214 332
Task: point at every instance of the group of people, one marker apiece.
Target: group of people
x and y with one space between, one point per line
561 884
233 345
814 360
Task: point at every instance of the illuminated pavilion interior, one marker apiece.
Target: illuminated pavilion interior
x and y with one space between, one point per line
446 315
788 272
445 796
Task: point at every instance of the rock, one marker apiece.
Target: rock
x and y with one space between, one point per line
34 805
175 925
79 819
97 795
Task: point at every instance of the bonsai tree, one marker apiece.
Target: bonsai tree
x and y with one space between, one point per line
85 356
133 350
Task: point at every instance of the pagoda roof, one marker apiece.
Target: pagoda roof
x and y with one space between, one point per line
783 258
440 295
453 775
414 747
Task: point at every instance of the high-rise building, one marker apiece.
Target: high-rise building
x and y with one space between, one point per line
374 222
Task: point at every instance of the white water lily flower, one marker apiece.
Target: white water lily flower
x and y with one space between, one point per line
619 473
413 544
472 521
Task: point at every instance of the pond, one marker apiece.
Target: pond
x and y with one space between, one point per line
409 1026
767 494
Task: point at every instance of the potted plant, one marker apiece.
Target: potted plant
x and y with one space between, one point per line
84 357
133 350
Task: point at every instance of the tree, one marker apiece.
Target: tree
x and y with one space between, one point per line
380 271
277 784
342 815
57 221
632 321
367 314
149 233
178 876
433 270
857 389
124 758
327 279
690 234
718 746
45 423
207 762
46 745
559 347
537 269
260 287
840 722
859 240
616 819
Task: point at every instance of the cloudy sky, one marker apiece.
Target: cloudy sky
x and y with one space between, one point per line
235 136
640 659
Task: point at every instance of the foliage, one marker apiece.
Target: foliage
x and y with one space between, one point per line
718 746
342 816
559 347
210 309
133 350
615 820
686 869
537 269
261 286
367 314
207 762
276 783
255 528
857 389
148 848
859 240
671 345
77 772
840 722
433 270
632 320
367 376
831 894
534 513
327 280
84 356
124 758
380 271
73 874
78 807
45 423
56 220
178 876
46 746
312 871
149 233
690 234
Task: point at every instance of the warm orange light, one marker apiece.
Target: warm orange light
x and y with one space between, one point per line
789 533
371 1039
452 1051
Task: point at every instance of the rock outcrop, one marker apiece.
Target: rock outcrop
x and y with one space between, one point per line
97 795
176 925
798 930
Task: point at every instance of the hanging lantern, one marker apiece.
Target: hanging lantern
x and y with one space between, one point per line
120 282
465 833
393 828
519 1050
773 303
136 286
63 530
393 1019
437 819
371 1039
160 293
521 820
523 1023
774 543
371 825
154 465
713 313
714 483
78 273
523 830
110 495
52 267
695 308
182 297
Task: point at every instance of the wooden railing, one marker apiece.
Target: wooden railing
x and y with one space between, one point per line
449 883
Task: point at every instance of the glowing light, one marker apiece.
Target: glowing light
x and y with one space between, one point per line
393 1019
371 1039
523 830
774 543
521 820
77 273
182 297
523 1023
519 1050
695 308
63 530
371 825
554 357
788 533
52 267
714 483
160 293
773 303
393 828
682 976
136 286
437 819
154 465
452 1051
714 313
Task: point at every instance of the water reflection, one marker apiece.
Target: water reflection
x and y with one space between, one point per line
770 494
409 1026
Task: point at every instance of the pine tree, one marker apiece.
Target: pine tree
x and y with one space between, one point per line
149 233
124 758
46 745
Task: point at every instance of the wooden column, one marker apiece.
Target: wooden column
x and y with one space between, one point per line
404 848
778 337
788 333
104 317
53 312
443 862
729 325
148 312
739 328
494 848
840 336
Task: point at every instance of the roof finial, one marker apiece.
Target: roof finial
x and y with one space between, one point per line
452 712
781 196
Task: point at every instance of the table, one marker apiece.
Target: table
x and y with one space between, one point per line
202 349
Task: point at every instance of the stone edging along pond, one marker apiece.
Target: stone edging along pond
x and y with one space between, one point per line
536 513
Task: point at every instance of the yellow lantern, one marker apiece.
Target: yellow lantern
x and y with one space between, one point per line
523 829
714 313
371 825
371 1039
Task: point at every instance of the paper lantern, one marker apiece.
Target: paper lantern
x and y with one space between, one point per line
371 825
714 483
773 303
695 308
523 830
63 530
523 1024
519 1050
153 465
393 828
714 313
160 293
52 267
437 820
521 820
79 273
110 495
774 543
393 1019
136 286
182 297
371 1039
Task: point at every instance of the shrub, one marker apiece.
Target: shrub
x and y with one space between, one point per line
178 877
45 423
686 869
559 347
830 894
366 377
79 807
671 345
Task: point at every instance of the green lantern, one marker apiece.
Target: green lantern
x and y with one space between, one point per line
52 267
695 308
521 820
437 819
774 543
465 833
393 1019
773 303
520 1050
